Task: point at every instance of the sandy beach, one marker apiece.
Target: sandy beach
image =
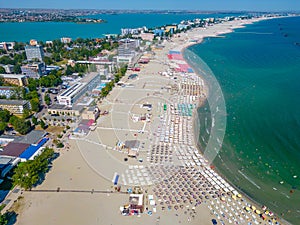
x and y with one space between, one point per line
186 189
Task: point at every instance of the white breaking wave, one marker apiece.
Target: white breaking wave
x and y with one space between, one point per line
247 178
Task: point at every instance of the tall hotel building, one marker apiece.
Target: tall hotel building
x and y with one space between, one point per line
34 52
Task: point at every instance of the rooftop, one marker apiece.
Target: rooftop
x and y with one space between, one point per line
12 102
15 76
88 77
32 149
14 149
71 91
4 160
132 144
64 107
31 138
136 199
6 88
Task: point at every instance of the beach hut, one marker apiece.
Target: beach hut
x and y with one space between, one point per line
136 202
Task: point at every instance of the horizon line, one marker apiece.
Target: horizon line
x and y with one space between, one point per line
163 10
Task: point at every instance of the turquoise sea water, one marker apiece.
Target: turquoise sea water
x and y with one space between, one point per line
54 30
258 69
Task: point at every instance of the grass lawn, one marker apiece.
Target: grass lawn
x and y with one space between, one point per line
65 61
54 130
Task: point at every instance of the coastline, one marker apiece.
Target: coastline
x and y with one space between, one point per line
70 173
201 104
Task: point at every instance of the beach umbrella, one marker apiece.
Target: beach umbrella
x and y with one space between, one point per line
257 211
253 207
264 207
239 195
247 209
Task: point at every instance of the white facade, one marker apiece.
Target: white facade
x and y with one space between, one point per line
67 97
73 93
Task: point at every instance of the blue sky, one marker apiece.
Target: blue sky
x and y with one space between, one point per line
258 5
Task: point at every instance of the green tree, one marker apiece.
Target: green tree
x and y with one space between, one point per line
3 219
2 51
48 60
28 173
43 124
35 104
59 145
56 57
31 95
2 70
4 115
1 80
47 99
32 84
34 120
6 60
20 124
17 93
3 126
17 69
19 46
26 113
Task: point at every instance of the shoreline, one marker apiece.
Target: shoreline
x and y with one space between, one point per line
201 104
